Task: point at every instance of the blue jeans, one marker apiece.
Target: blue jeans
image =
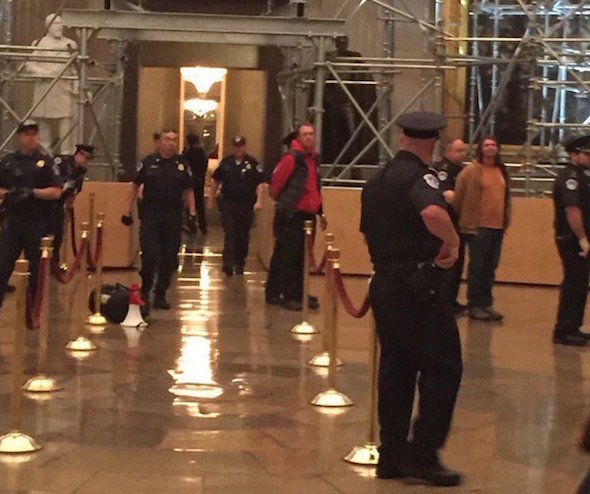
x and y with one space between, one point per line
484 255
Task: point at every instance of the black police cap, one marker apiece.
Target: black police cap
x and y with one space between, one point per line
576 143
26 125
87 148
421 124
238 141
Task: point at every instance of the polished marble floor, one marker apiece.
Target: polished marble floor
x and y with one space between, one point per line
213 398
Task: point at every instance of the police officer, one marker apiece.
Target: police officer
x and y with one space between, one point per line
167 187
571 198
72 170
197 160
411 240
447 170
240 177
28 180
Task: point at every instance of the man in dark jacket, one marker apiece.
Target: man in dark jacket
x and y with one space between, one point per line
295 185
197 161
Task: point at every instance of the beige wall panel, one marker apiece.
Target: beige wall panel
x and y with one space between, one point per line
121 243
528 256
245 110
158 104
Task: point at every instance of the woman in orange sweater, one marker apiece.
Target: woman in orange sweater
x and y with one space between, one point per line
482 201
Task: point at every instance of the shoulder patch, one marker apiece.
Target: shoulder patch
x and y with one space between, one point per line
432 181
443 175
571 184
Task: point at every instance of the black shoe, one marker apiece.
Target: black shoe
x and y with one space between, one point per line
479 314
239 270
569 339
428 468
459 308
389 470
295 305
228 271
313 303
494 315
161 303
274 299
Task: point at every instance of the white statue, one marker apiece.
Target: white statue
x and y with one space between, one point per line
56 110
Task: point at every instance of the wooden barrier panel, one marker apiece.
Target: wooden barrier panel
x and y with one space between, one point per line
121 244
529 254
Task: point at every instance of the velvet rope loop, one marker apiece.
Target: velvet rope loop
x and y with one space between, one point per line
64 279
314 268
345 299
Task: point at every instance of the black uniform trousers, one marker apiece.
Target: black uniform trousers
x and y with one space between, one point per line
573 290
159 236
56 228
452 278
236 220
419 346
199 192
285 275
18 235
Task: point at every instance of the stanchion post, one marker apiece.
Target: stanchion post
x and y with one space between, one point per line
81 343
368 454
15 441
67 241
304 327
97 319
92 197
42 383
322 359
332 397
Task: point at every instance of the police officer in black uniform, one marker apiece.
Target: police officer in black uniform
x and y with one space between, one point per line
571 198
411 240
72 169
448 168
167 188
28 180
240 177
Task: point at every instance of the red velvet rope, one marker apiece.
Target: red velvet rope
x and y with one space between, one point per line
314 268
34 308
345 299
93 259
64 279
73 231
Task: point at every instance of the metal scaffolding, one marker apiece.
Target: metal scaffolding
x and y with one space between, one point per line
99 87
541 47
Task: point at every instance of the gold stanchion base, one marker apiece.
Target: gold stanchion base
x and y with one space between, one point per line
41 384
96 319
332 398
17 442
81 344
323 360
304 328
367 454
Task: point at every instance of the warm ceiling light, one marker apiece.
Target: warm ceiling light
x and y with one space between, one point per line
202 77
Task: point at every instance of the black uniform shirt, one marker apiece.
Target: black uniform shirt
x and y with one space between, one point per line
447 173
35 171
197 160
571 188
164 181
239 182
72 176
390 216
